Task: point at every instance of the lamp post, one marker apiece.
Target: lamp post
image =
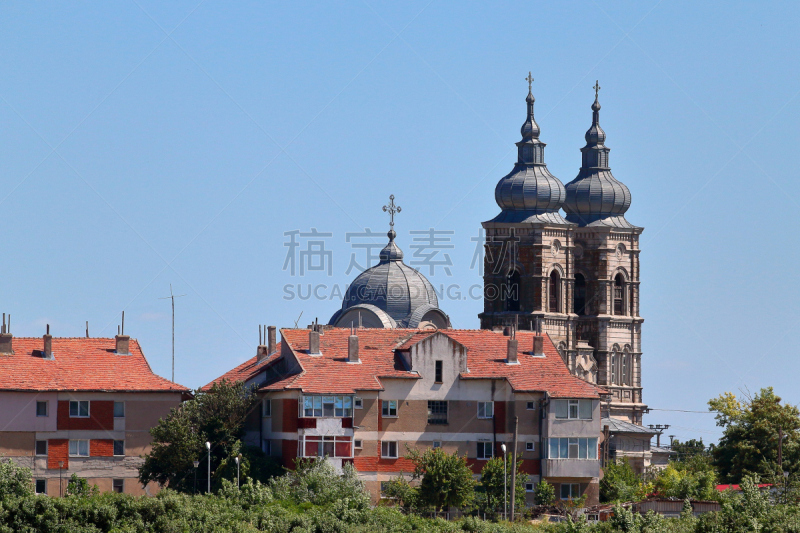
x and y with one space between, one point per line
208 447
60 480
237 470
505 488
196 464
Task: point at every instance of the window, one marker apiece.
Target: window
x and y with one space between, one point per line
437 412
619 295
328 406
573 409
389 449
41 447
79 409
119 409
485 409
119 447
384 485
41 486
530 406
573 448
437 444
554 294
528 487
327 446
118 485
570 491
512 291
41 408
579 301
485 450
266 447
529 446
358 403
357 444
79 448
389 408
266 407
438 377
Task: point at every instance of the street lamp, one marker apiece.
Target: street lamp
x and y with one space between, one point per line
505 488
237 470
60 480
196 464
208 447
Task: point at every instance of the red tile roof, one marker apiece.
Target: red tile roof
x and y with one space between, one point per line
79 364
243 372
486 352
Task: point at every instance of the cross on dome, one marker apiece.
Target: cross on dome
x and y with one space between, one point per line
529 79
392 210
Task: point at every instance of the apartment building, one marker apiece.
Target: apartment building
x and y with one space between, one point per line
366 395
82 406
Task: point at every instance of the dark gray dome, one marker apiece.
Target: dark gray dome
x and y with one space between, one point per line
393 288
595 197
530 193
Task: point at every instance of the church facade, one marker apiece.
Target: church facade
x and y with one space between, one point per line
574 277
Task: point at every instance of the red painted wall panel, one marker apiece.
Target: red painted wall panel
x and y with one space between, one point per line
101 416
290 416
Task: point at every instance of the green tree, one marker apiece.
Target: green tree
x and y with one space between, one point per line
490 496
749 443
216 416
621 484
78 486
544 493
15 480
445 480
685 483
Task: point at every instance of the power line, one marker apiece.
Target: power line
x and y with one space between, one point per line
681 411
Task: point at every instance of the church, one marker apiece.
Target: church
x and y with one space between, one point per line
553 375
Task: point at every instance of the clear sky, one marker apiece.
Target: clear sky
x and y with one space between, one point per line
144 144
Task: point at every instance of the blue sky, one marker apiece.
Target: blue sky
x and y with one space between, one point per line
149 143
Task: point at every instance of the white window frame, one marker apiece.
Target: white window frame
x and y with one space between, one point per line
386 408
572 407
266 407
563 447
78 448
386 449
530 446
36 483
529 487
123 409
358 444
437 444
481 446
358 403
46 447
321 440
114 485
314 406
78 404
484 405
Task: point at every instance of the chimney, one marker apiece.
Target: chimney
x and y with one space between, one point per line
48 344
313 342
511 358
507 331
271 344
5 337
538 345
123 344
352 349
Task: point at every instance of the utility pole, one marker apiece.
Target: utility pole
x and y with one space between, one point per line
514 468
780 449
170 297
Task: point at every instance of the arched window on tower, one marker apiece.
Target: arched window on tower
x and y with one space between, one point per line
512 291
619 295
554 293
627 366
579 307
613 367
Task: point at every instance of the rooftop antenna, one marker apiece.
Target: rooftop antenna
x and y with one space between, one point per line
259 336
123 322
359 320
298 320
172 297
87 329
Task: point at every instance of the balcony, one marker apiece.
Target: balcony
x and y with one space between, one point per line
576 468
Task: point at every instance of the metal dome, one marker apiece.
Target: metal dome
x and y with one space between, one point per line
390 287
595 197
530 193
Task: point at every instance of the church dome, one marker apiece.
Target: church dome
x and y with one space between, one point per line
390 295
530 193
595 197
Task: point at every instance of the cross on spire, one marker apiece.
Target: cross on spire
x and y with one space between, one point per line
596 88
392 210
529 79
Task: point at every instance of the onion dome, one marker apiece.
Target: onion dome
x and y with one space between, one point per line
530 193
595 197
390 294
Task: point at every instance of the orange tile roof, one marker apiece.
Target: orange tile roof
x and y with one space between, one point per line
486 352
243 372
79 364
